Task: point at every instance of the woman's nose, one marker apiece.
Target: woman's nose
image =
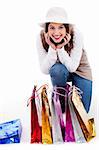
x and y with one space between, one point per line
56 31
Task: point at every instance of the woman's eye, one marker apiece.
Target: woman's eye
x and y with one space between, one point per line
52 28
61 27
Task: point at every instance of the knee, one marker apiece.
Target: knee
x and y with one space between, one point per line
58 70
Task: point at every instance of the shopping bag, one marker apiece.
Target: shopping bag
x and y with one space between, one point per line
79 137
58 128
87 125
10 132
69 133
38 104
46 127
35 126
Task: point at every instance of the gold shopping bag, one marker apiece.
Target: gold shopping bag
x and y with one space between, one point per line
46 128
79 136
87 125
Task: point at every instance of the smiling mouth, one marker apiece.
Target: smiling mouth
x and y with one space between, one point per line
56 42
57 38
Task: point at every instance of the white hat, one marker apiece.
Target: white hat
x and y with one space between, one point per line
57 15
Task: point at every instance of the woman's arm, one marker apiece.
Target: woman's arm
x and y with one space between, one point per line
72 62
46 59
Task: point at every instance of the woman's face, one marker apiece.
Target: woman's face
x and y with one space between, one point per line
56 31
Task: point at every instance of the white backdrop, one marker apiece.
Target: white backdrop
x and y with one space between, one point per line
19 67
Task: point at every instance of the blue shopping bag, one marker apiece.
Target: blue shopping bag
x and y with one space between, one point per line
10 132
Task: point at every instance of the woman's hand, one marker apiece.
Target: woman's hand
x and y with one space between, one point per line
59 46
66 41
47 39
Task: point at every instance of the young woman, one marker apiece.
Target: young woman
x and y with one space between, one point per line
62 56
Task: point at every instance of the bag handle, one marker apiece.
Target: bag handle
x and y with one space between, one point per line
78 90
60 88
37 94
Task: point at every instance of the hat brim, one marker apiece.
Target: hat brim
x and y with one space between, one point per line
42 25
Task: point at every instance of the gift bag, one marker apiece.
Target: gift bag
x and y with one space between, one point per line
35 126
46 126
79 137
69 133
69 130
87 125
10 132
57 118
61 133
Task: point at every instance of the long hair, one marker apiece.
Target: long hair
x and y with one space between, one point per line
67 47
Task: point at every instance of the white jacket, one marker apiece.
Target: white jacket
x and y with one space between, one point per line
48 59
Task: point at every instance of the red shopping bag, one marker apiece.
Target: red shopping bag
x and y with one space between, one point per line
35 127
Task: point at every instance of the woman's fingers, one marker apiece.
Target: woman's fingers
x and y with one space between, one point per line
66 40
68 37
47 39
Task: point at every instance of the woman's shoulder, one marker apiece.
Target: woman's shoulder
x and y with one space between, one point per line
38 39
78 37
40 36
77 33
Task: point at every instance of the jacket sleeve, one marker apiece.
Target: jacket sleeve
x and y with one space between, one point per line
46 59
72 61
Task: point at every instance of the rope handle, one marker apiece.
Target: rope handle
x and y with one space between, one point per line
79 92
59 88
37 94
46 85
